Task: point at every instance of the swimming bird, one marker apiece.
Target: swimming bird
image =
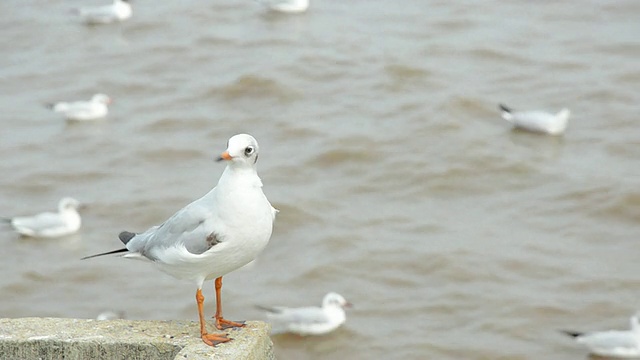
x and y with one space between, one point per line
615 343
93 109
49 224
286 6
120 10
214 235
537 121
309 320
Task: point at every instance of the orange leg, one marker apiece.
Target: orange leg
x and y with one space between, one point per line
221 323
209 339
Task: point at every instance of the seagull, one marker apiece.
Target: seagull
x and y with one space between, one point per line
49 224
120 10
110 315
93 109
309 320
615 343
537 121
286 6
214 235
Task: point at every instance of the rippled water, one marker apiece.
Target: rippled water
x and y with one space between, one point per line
399 185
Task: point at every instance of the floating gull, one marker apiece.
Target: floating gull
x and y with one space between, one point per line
615 343
49 224
214 235
286 6
309 320
120 10
537 121
95 108
110 315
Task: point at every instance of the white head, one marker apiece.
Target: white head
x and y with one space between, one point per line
67 204
335 300
563 114
101 98
242 150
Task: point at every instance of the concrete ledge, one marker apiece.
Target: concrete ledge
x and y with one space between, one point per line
51 338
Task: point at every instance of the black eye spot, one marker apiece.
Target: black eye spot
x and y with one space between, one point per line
249 150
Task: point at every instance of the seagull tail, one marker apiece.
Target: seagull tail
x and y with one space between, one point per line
106 253
506 112
505 108
268 309
573 334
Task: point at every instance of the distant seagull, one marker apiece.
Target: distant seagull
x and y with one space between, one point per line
615 343
286 6
110 315
309 320
93 109
537 121
48 224
120 10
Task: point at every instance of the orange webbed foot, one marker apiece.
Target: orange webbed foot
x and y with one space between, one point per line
213 339
223 324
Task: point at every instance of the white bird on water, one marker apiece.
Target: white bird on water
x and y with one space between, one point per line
93 109
214 235
614 343
309 320
286 6
537 121
120 10
49 224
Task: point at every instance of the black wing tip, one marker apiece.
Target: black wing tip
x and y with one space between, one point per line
573 334
125 236
49 105
268 309
106 253
504 107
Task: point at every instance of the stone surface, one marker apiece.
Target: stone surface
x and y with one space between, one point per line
53 338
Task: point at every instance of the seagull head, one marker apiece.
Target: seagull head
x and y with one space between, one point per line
335 300
67 204
241 149
101 98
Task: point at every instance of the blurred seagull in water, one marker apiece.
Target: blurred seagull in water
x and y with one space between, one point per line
93 109
286 6
537 121
120 10
309 320
214 235
49 224
614 343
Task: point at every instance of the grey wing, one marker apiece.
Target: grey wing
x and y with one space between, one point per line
39 222
189 227
305 315
609 340
533 119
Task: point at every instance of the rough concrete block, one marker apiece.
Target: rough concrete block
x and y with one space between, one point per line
52 338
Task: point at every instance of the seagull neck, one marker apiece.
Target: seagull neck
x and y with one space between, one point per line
240 175
635 324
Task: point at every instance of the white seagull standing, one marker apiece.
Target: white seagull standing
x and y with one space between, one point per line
214 235
93 109
120 10
309 320
286 6
615 343
537 121
49 224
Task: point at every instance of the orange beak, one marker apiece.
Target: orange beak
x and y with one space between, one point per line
224 156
